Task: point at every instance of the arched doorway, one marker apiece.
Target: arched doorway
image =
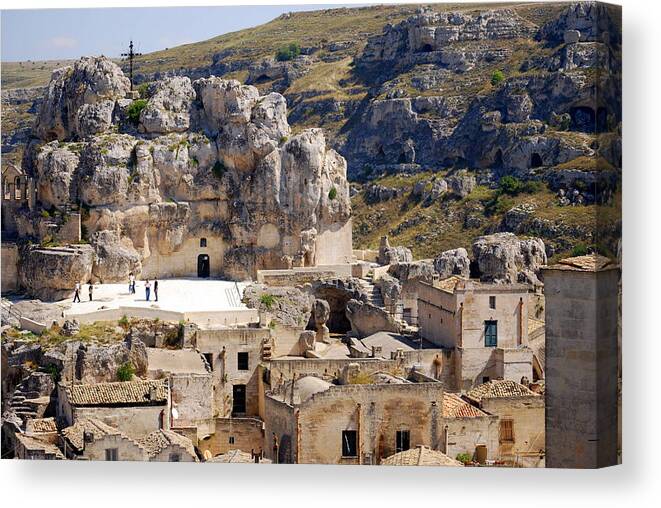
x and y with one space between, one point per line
203 265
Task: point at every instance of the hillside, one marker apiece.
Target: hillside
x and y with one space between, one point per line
409 94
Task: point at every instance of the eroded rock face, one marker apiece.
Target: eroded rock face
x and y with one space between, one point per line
51 274
502 257
98 364
392 255
286 305
209 159
168 109
367 319
78 99
453 262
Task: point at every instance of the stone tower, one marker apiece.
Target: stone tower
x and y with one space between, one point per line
581 362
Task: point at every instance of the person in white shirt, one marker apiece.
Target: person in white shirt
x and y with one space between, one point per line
147 289
76 293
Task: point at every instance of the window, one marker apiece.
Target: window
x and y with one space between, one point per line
175 457
506 431
231 440
203 242
492 302
490 333
209 358
111 454
403 439
242 361
349 443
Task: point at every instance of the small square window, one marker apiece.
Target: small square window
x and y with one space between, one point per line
111 454
485 379
349 443
242 360
492 302
203 242
231 440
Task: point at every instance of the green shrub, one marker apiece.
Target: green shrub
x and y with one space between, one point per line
123 322
580 250
54 372
143 90
509 185
125 372
45 214
218 170
497 77
283 139
288 52
464 458
267 300
134 110
332 193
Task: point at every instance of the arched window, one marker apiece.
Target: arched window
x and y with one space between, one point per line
17 188
203 242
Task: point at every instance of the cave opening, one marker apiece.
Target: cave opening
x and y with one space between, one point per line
536 160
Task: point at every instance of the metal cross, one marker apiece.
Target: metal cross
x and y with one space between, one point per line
130 56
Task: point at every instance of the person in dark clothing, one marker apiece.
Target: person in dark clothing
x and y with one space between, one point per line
76 293
156 289
91 287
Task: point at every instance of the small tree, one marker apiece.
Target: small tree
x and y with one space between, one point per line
288 52
332 193
496 77
464 458
509 185
125 372
134 110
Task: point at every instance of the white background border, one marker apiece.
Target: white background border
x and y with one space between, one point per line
635 483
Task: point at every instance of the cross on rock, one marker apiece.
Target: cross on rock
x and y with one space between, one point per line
130 55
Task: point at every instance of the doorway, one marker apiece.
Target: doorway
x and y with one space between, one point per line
203 265
238 399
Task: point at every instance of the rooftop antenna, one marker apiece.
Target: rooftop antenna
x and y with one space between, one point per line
130 55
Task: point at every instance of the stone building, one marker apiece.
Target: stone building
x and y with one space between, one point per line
135 408
581 362
486 326
168 446
234 356
92 439
521 420
18 192
39 441
313 421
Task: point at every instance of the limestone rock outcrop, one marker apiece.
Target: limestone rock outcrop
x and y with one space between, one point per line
453 262
367 319
504 258
210 159
392 255
286 305
51 274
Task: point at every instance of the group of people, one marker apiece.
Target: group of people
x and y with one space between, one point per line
148 286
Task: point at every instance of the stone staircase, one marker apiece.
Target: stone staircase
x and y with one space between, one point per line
28 401
375 297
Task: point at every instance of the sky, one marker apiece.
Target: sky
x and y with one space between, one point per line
53 34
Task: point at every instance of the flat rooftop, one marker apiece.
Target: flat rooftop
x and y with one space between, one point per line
179 295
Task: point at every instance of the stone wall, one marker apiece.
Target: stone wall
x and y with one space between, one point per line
192 396
127 449
182 261
465 434
581 368
527 416
246 434
9 263
281 432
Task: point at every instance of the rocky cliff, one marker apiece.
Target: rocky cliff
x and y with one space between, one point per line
204 167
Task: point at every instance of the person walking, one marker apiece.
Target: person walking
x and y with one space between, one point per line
147 289
91 287
131 283
76 293
156 289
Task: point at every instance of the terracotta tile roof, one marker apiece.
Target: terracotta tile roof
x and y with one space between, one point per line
75 433
129 392
158 440
236 456
456 407
449 284
420 456
589 263
498 388
41 426
34 443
